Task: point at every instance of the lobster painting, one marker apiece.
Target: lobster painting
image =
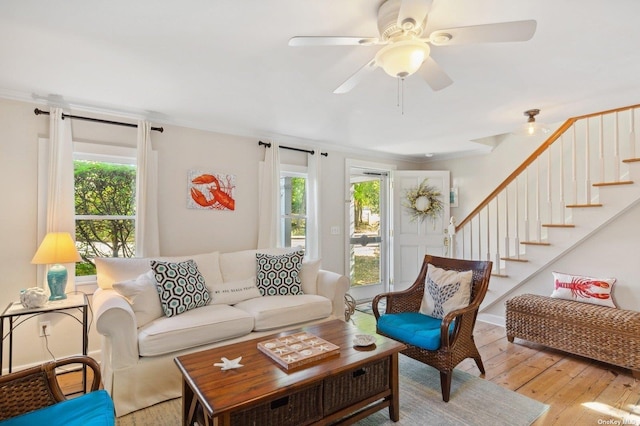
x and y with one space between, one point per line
582 287
208 192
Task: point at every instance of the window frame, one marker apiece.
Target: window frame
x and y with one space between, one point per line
290 171
104 153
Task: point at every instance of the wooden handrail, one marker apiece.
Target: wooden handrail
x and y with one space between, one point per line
526 163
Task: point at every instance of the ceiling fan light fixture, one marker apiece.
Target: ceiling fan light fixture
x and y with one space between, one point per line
402 58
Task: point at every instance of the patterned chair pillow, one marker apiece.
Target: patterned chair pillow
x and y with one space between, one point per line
181 286
278 275
445 291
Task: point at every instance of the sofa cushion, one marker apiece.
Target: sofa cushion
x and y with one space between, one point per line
142 294
279 311
234 292
278 275
111 270
309 276
180 285
200 326
241 265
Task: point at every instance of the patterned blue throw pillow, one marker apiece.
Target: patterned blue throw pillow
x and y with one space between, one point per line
278 275
181 286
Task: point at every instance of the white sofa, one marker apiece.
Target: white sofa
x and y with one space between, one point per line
139 342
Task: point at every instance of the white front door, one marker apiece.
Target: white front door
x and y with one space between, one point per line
413 237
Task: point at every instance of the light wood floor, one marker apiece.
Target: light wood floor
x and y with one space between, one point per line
579 391
569 384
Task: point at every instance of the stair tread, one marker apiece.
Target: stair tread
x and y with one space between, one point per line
622 182
514 259
559 225
535 243
583 205
499 274
631 160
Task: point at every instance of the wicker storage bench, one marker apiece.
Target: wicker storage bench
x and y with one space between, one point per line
605 334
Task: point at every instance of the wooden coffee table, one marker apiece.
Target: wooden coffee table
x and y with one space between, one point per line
340 390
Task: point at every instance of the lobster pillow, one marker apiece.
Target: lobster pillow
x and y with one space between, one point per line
592 290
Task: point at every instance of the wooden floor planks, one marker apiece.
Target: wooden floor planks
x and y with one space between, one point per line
579 391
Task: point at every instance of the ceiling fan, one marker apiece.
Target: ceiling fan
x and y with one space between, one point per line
401 24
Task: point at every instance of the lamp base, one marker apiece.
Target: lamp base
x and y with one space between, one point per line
57 280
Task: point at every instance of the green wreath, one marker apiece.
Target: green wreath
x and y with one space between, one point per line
423 201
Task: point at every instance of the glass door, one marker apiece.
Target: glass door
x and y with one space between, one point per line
368 255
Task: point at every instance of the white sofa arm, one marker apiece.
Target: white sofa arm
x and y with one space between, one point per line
333 286
116 322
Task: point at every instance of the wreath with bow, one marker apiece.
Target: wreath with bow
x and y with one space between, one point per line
423 201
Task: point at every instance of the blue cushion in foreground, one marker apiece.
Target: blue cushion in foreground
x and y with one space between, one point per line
413 328
92 409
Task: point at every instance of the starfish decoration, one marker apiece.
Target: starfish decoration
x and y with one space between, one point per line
228 365
440 295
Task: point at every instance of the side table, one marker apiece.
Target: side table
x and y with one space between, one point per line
73 305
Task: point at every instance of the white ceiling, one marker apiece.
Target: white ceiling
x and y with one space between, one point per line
224 65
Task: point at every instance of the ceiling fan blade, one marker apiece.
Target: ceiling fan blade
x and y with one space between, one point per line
413 12
356 77
332 41
434 75
488 33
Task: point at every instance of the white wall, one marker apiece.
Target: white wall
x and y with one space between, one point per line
183 231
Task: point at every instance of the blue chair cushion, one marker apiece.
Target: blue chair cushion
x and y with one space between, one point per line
413 328
92 409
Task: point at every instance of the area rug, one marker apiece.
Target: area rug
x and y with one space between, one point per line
366 307
474 401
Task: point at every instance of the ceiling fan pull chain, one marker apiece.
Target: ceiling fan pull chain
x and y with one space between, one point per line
402 95
398 95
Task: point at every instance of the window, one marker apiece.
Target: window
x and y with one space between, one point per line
104 189
293 206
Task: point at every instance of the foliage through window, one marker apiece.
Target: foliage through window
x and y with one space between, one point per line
104 209
293 197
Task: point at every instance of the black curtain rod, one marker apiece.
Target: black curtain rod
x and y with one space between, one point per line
96 120
312 152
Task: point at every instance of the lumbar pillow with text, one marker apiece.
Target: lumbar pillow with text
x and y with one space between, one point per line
445 291
142 294
278 275
234 292
596 291
181 286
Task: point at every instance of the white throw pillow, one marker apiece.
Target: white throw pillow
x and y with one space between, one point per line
309 276
234 292
596 291
445 291
142 294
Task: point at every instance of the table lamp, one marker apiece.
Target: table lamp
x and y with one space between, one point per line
56 248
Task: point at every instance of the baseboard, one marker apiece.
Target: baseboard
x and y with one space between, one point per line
491 319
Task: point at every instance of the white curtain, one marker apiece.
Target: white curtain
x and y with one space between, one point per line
60 203
60 198
269 199
312 250
147 235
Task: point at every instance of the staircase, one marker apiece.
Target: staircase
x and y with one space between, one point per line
585 175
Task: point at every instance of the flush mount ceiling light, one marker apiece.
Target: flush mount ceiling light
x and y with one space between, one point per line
403 58
531 127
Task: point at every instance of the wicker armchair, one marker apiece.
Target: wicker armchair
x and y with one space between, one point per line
36 388
455 345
